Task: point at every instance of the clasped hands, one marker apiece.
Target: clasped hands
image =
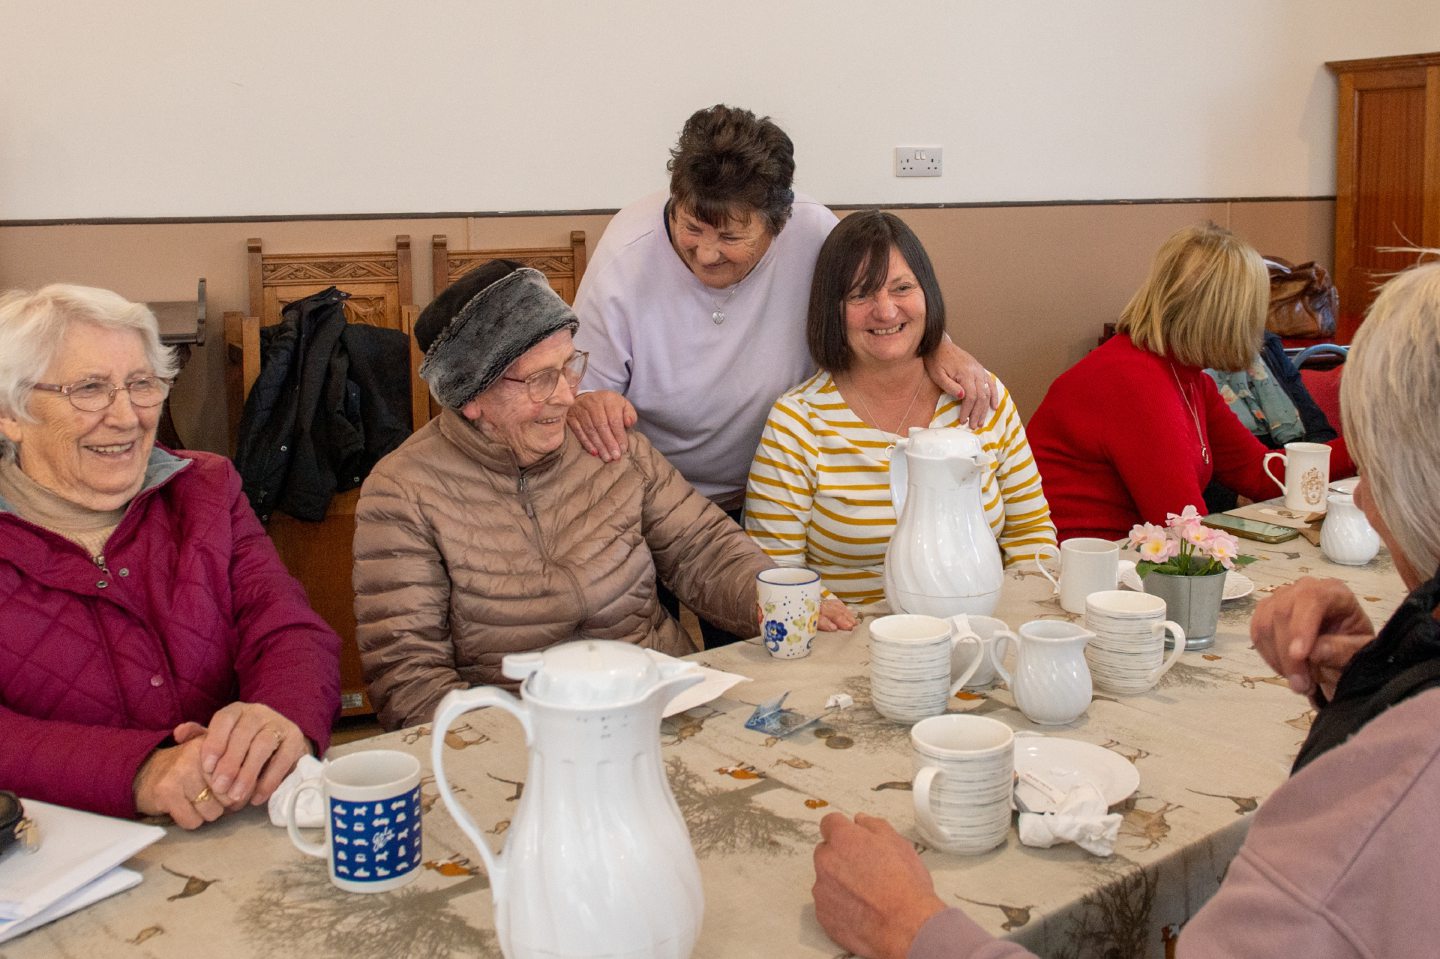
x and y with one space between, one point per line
239 759
1309 631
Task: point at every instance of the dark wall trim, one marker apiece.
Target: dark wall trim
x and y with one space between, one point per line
495 214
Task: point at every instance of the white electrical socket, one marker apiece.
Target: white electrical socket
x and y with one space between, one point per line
919 161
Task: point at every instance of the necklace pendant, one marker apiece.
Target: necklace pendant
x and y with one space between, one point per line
717 317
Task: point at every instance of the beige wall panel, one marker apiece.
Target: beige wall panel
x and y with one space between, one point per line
1298 230
1027 288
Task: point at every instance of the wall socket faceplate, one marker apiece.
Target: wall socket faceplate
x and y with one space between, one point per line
918 161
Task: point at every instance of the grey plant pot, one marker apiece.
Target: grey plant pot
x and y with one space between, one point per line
1191 601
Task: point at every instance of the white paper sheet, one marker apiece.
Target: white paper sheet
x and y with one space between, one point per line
116 880
75 848
713 687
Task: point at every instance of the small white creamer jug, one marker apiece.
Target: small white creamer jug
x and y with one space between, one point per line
597 861
1347 536
1051 683
942 559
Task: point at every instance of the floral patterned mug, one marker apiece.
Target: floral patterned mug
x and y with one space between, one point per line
789 609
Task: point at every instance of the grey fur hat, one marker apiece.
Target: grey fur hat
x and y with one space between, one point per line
482 323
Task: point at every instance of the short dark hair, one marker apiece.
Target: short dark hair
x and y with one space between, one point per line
856 258
727 162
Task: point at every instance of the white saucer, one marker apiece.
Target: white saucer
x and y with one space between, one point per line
1345 486
1237 584
1066 763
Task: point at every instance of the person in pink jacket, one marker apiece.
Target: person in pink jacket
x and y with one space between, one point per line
1340 861
155 655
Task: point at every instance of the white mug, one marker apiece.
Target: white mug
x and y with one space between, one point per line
1127 654
911 661
372 819
964 773
789 609
1086 566
1307 475
983 673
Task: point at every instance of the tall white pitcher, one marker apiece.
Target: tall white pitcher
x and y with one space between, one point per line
942 559
597 861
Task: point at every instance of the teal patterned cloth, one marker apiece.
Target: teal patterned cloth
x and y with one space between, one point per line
1261 403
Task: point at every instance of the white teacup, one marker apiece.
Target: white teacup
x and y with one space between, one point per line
372 819
1127 654
789 609
985 627
1087 566
1307 475
964 773
911 657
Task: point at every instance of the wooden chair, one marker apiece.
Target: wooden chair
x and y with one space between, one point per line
318 554
563 266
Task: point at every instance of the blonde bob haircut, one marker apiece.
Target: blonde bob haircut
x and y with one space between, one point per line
1389 395
1204 302
33 325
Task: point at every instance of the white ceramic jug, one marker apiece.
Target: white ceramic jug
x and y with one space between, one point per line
942 559
597 861
1051 683
1347 536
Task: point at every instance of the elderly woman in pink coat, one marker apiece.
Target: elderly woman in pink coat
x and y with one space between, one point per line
155 656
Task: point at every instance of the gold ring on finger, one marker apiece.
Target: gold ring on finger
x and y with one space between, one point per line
203 795
279 736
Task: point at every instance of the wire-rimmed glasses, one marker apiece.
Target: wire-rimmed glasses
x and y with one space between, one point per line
92 396
541 384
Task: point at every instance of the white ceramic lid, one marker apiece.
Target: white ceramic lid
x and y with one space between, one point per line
591 672
942 443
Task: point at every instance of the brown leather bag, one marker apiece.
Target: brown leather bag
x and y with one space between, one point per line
1303 301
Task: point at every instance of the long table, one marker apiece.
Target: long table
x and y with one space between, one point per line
1211 742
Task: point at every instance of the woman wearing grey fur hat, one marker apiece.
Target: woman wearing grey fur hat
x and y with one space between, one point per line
491 531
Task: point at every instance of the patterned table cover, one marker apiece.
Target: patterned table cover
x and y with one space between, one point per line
1210 742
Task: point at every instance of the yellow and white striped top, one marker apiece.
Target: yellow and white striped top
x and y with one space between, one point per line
819 488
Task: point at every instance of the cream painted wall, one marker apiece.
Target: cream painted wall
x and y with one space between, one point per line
205 108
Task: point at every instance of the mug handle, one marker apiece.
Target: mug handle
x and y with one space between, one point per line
1275 454
997 658
317 849
955 641
456 703
1178 635
1039 556
920 796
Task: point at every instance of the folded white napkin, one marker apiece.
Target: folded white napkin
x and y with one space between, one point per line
1080 818
310 811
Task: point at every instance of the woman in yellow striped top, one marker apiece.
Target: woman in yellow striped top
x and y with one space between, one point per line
819 487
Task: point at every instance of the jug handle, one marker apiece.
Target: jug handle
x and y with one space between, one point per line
1003 638
899 476
456 703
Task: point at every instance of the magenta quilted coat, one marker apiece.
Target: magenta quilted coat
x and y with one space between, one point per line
191 610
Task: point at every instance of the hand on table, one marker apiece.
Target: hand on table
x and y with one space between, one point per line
599 420
963 377
835 615
172 783
872 893
248 749
1308 632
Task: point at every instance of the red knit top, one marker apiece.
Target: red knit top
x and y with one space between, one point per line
1118 440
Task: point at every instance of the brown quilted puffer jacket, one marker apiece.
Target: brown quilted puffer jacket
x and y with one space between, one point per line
461 558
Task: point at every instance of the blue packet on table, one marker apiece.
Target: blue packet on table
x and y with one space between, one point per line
772 719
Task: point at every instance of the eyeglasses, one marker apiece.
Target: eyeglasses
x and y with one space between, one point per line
92 396
541 384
